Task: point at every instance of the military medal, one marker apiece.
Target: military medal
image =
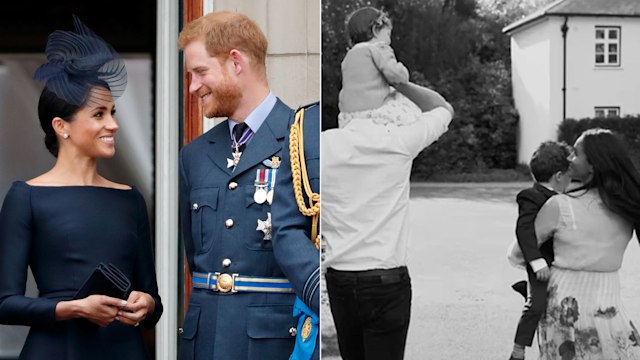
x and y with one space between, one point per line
266 181
236 158
265 227
260 195
272 183
236 144
273 163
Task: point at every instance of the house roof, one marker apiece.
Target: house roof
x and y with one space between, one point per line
618 8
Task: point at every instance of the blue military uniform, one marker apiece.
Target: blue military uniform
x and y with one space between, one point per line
241 304
294 249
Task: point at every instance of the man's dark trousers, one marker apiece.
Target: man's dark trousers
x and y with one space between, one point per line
371 311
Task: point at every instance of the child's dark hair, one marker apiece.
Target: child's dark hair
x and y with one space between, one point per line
364 22
549 158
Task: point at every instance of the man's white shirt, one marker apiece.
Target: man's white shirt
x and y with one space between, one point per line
365 189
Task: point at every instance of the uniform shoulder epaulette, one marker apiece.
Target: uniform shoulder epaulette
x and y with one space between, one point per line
308 106
300 178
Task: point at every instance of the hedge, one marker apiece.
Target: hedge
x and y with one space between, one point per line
472 73
628 127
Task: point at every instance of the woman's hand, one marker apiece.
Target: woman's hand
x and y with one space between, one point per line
138 306
98 309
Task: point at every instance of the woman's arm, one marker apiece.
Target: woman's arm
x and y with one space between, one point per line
16 226
15 248
144 305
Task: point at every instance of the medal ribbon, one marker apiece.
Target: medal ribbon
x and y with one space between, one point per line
267 176
260 175
246 136
272 179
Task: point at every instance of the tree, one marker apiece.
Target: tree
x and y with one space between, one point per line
455 47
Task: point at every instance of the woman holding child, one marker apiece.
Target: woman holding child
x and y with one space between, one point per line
591 227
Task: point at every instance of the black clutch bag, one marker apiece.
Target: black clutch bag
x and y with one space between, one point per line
105 280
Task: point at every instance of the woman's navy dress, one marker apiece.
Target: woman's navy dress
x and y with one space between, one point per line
62 233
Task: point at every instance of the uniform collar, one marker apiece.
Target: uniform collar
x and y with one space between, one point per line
258 115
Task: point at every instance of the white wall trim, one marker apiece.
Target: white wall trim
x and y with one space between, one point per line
166 195
207 6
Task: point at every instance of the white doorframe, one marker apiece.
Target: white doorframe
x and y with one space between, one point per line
167 142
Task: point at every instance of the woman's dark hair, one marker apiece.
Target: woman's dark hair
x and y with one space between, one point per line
49 107
362 23
614 174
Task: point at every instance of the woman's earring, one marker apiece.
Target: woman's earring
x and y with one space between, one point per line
65 135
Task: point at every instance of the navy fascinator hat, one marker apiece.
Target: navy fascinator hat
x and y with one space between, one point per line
79 60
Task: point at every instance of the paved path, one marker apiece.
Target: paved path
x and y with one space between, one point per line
463 307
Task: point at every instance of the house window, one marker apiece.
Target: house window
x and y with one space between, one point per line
607 111
607 46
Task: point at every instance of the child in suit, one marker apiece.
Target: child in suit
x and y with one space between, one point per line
549 167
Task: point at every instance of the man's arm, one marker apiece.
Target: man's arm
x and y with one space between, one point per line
433 120
425 98
293 249
185 210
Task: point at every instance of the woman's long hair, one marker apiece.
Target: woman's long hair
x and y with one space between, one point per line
614 174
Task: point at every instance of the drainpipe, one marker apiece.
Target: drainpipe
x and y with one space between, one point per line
564 30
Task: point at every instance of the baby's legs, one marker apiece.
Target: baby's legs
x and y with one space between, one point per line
400 110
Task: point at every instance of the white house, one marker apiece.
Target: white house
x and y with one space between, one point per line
574 59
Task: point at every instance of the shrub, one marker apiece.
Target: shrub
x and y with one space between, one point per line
628 127
472 73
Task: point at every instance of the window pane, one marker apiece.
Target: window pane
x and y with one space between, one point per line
613 33
612 112
599 58
599 48
599 33
599 113
613 48
613 59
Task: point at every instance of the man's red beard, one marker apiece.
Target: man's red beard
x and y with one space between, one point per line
224 99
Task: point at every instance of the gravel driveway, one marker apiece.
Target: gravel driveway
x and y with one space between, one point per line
463 306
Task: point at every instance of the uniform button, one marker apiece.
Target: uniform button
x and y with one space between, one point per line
293 331
233 185
228 223
195 206
226 262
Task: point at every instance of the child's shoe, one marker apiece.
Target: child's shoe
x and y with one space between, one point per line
521 288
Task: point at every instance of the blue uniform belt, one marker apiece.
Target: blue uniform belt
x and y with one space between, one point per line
234 283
